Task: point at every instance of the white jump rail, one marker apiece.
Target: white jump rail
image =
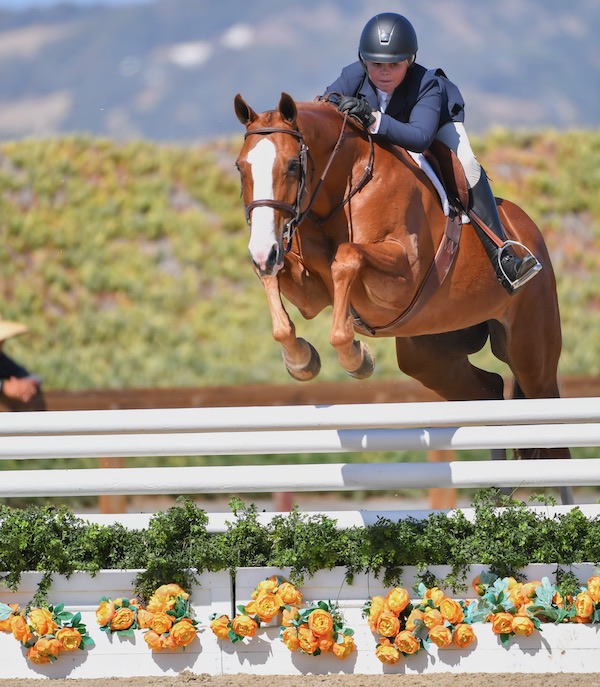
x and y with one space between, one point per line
270 418
300 429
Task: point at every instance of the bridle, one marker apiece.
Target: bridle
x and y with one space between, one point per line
294 210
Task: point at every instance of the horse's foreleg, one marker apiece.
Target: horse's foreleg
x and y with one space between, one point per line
301 359
354 356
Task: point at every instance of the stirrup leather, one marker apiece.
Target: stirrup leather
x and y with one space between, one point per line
530 274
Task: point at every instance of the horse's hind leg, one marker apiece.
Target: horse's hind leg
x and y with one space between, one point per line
440 362
535 370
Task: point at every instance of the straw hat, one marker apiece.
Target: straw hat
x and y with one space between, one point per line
10 329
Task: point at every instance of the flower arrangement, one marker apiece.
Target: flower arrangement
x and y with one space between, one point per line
404 628
391 619
118 616
45 632
448 621
517 608
167 618
318 629
273 598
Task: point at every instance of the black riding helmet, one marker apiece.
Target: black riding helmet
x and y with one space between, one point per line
387 37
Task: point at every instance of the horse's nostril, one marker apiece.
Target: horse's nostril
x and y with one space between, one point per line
273 255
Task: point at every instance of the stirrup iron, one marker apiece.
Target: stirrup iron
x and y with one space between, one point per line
530 274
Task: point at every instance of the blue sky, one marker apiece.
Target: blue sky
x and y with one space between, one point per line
23 4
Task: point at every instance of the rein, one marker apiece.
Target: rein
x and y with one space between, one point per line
297 215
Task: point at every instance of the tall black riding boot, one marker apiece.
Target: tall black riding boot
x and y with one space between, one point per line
512 272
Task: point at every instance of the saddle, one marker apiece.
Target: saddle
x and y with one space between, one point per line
450 172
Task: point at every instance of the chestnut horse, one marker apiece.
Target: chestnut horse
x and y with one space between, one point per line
369 224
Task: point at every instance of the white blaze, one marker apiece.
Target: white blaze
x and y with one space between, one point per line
262 219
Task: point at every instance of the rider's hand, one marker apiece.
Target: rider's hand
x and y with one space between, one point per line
358 108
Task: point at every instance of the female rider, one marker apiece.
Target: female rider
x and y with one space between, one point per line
410 106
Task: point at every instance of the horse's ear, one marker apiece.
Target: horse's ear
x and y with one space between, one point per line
244 112
287 108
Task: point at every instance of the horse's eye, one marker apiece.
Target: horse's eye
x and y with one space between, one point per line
293 167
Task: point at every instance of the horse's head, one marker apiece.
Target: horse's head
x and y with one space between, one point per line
272 165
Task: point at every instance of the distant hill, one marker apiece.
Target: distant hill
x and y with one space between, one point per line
168 70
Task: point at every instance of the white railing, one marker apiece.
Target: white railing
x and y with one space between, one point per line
300 429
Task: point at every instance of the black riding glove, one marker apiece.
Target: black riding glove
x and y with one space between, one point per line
358 108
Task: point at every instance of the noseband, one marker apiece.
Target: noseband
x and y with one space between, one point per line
294 210
297 216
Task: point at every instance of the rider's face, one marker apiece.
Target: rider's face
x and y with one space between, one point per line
387 75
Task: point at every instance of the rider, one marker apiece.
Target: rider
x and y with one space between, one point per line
410 106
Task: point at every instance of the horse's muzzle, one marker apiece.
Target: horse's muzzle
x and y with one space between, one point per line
271 264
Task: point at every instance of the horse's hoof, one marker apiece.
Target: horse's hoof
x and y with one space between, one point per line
367 366
304 373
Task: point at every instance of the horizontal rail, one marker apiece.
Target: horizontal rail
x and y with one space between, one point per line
317 478
219 522
270 418
286 442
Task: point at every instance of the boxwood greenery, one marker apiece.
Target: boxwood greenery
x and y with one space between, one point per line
177 546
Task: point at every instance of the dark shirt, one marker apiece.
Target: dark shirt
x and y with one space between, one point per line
9 368
424 101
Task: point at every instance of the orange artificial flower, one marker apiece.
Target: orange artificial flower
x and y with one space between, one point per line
153 640
397 599
123 619
435 594
463 635
432 617
320 623
69 638
502 623
441 636
388 624
183 632
407 642
415 614
268 605
269 585
528 589
220 626
345 648
593 588
376 609
325 643
387 653
584 605
20 629
290 638
5 625
105 613
288 616
244 626
49 647
309 642
451 610
522 625
144 618
41 621
290 595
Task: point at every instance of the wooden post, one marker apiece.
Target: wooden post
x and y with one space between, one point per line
441 498
282 501
112 503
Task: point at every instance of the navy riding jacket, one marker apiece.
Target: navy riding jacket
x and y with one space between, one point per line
424 101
